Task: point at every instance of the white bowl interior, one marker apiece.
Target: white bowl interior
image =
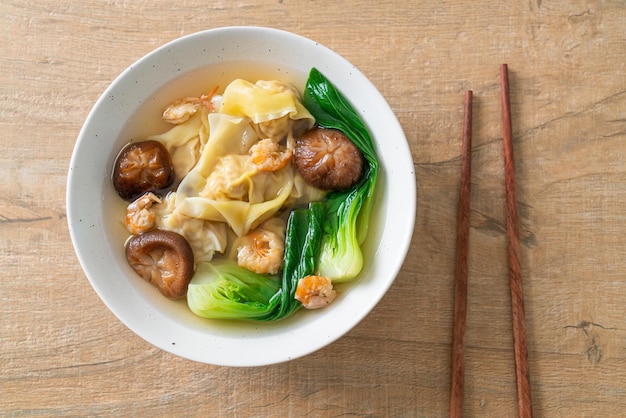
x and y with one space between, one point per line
130 109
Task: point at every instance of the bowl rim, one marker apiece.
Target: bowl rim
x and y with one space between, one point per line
235 358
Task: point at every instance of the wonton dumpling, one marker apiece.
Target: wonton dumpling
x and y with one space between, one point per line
185 141
245 196
263 101
205 237
230 178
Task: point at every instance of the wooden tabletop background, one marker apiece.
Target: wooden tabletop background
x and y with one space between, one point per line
63 353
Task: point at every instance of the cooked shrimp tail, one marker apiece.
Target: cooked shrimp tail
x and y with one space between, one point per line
179 111
261 252
315 292
269 155
140 217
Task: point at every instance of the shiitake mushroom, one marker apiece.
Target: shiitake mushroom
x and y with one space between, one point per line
142 167
164 259
327 159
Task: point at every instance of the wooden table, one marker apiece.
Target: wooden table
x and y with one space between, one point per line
63 353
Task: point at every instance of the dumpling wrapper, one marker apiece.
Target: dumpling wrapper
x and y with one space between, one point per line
263 101
263 195
205 237
186 141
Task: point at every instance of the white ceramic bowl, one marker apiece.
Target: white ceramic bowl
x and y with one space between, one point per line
129 109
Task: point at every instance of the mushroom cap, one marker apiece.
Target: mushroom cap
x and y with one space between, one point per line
327 159
164 259
142 167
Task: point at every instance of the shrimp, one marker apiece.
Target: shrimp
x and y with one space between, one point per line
261 252
140 217
181 110
269 155
315 292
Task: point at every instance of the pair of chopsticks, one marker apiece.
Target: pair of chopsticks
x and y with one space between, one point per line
460 292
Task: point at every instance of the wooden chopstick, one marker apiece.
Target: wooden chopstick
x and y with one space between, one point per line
522 373
462 247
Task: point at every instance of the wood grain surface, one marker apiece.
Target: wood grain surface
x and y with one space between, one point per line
63 353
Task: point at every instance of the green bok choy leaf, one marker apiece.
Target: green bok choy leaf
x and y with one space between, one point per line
302 243
222 289
347 212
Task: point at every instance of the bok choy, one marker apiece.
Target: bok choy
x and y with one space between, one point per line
222 289
347 212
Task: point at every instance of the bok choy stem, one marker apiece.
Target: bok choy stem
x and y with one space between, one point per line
303 237
347 212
